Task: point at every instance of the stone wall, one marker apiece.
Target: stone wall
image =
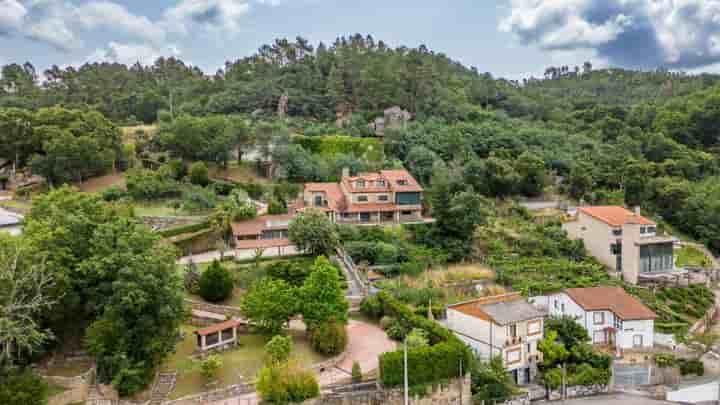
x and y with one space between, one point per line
518 400
77 388
218 309
161 223
580 391
445 394
212 396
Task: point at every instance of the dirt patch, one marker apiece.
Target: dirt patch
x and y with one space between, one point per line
102 183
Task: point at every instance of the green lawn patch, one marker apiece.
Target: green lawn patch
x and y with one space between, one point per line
54 389
239 365
690 256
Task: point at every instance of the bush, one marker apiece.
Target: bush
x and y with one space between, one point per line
356 373
329 338
22 388
216 283
199 174
693 366
113 193
275 207
210 366
665 360
278 349
192 280
285 383
198 199
148 185
372 307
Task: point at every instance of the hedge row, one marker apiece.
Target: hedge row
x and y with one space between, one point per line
431 364
179 230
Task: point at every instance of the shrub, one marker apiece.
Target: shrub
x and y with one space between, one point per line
198 199
192 280
177 169
356 373
216 283
210 366
417 338
329 338
275 207
148 185
665 360
278 349
372 307
285 383
22 388
199 174
113 193
693 366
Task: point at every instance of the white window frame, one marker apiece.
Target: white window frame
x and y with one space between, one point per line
635 342
595 318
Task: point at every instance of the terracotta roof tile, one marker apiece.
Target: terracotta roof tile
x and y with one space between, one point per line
393 176
333 193
232 323
613 299
615 215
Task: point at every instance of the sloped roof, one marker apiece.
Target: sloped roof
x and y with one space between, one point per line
332 191
262 223
613 299
393 176
500 309
615 215
232 323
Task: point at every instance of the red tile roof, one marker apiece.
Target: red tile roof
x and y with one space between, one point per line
613 299
333 193
615 215
393 176
262 223
232 323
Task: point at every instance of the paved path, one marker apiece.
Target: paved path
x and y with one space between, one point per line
365 343
240 254
614 399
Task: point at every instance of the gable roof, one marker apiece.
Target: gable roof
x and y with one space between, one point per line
613 299
500 309
262 223
333 193
615 215
393 176
232 323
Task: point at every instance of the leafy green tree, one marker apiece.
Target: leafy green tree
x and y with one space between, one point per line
579 181
322 298
269 304
216 283
199 174
569 332
531 170
22 388
491 382
288 382
313 232
278 349
329 338
554 352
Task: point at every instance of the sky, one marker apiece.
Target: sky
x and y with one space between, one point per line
508 38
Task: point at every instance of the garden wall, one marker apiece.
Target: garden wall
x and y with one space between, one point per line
77 388
215 395
576 391
456 392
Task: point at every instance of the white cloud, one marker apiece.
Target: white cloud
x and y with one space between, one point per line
106 14
635 33
213 15
11 15
131 53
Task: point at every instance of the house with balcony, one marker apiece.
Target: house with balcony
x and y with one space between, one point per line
611 316
387 196
624 241
264 232
502 325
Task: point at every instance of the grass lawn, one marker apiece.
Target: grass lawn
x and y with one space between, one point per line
102 183
244 173
22 206
241 364
690 256
155 209
233 301
54 389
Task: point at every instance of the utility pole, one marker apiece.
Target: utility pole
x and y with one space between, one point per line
405 374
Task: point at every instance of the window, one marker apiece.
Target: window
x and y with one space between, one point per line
406 213
562 308
656 258
616 249
512 331
557 304
637 340
362 198
382 197
598 336
598 318
617 232
533 328
618 323
381 183
402 182
360 184
227 334
643 230
650 229
512 356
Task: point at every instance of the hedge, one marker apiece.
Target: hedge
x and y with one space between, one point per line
431 364
179 230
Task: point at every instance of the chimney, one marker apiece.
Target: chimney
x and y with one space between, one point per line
637 210
346 172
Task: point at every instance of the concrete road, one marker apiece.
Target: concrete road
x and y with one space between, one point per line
614 399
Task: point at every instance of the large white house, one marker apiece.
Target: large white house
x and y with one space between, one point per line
610 315
502 325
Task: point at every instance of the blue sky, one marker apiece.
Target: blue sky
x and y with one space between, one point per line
511 38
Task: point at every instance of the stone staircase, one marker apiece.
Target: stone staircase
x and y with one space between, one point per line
164 384
95 398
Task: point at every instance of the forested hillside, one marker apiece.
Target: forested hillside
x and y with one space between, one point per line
648 138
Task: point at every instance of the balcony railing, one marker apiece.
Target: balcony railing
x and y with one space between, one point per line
513 341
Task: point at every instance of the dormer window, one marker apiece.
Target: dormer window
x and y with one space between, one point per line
381 183
360 184
402 182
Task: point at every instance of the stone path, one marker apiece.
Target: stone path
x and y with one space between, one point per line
164 385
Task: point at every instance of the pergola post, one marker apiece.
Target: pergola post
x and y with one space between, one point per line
203 345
